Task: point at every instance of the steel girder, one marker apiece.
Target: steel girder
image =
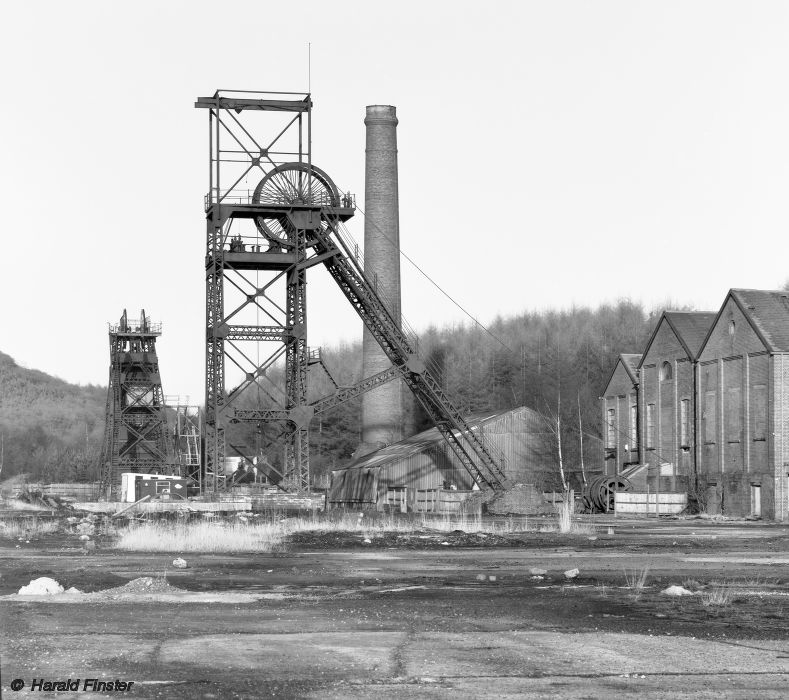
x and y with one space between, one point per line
302 416
214 452
488 469
297 461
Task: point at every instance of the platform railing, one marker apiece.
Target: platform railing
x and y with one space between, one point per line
136 326
247 196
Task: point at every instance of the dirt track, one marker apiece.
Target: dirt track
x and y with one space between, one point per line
417 620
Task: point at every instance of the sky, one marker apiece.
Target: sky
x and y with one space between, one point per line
551 154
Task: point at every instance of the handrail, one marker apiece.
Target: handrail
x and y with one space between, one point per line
135 326
239 196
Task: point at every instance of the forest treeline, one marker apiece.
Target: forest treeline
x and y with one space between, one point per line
551 361
556 362
49 428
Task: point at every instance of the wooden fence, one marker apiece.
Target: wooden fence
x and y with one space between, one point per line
645 503
440 500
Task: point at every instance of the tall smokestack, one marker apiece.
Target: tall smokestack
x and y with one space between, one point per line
382 409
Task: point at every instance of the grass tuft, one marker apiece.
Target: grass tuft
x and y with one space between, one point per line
719 596
636 580
565 516
567 526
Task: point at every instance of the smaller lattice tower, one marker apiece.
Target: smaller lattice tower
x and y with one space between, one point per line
135 433
187 435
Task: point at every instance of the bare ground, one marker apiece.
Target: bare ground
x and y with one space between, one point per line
413 617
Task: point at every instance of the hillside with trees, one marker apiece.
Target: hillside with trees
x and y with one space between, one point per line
49 428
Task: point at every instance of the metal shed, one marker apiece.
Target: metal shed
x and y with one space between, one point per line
401 474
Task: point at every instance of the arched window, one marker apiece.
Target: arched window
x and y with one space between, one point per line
665 371
732 328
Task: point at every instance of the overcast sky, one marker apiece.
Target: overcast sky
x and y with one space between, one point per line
551 153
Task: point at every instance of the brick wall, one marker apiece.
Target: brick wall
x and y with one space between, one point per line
665 395
739 410
381 408
620 395
780 426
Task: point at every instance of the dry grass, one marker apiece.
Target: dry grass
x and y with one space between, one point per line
474 524
28 527
269 535
18 504
258 534
719 596
567 526
201 537
583 529
636 580
566 516
757 582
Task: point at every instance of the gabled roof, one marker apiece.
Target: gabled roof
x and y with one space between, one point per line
768 313
690 327
630 363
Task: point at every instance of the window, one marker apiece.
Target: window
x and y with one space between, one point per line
733 413
732 328
634 427
759 412
611 428
665 372
684 423
650 426
710 423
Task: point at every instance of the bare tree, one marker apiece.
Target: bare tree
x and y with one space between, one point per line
553 424
581 438
559 439
555 420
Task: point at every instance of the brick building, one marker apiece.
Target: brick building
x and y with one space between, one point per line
667 397
712 408
620 415
743 420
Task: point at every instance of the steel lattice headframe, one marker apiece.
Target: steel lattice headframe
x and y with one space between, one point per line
261 238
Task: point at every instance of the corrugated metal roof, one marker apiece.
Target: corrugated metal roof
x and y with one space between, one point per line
415 444
691 327
768 311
